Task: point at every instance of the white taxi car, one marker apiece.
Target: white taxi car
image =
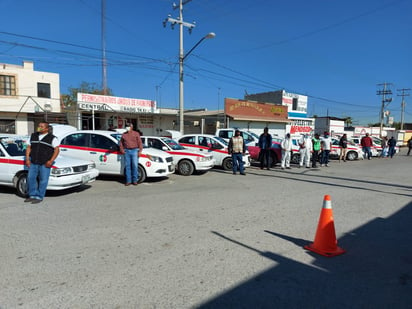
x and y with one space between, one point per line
65 173
217 146
102 147
187 161
353 152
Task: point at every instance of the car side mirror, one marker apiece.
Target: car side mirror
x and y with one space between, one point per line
164 148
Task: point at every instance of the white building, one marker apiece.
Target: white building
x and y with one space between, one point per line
26 97
297 105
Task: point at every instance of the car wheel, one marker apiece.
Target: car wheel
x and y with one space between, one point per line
295 158
21 185
351 155
227 164
185 168
142 174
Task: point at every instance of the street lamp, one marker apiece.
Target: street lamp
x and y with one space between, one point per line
182 57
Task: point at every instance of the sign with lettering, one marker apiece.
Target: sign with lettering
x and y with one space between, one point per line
104 103
255 110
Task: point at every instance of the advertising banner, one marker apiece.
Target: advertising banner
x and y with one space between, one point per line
104 103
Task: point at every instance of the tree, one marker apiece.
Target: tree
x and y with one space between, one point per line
348 121
69 101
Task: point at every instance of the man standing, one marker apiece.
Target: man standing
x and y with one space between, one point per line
131 147
305 144
409 144
326 142
286 146
42 149
237 149
343 144
391 145
367 143
265 142
316 149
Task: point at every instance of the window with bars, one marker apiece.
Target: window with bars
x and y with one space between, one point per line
7 85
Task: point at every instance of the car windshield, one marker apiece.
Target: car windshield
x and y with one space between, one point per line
221 140
254 135
118 136
14 145
172 143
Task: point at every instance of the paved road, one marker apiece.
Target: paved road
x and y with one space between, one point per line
214 241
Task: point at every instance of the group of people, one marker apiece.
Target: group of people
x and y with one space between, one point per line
310 150
43 149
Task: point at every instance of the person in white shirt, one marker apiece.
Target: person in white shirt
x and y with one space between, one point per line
305 144
326 143
286 146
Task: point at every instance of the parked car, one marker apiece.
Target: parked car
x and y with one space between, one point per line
65 173
353 151
250 138
212 144
102 147
187 161
275 152
375 149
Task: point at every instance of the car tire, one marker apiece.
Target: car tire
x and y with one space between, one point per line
21 185
295 158
185 168
227 164
351 155
142 174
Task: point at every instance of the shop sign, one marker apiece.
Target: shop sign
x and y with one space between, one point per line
115 104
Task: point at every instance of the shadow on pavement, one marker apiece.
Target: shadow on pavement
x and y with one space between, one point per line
375 272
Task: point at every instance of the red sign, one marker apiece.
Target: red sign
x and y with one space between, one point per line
299 129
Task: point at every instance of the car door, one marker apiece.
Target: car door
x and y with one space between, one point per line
106 154
75 145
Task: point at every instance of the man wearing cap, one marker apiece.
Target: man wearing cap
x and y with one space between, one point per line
237 148
131 147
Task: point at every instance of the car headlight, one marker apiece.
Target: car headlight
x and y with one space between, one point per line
204 159
61 171
155 158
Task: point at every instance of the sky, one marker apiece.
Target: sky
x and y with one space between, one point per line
338 53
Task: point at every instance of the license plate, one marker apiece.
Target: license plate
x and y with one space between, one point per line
86 178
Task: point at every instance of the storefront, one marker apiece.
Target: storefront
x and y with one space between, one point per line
254 116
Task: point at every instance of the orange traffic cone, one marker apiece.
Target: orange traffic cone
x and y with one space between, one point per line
325 240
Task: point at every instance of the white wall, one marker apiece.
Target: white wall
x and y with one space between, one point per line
26 86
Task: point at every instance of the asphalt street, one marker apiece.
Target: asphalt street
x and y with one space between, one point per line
214 241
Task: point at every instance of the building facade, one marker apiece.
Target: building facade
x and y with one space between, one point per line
297 106
26 97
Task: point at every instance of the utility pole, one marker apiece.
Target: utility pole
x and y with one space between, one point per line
403 95
190 26
104 60
384 93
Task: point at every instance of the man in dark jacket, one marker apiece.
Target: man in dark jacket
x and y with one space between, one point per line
391 145
265 142
41 151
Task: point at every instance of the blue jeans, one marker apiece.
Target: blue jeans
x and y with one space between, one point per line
367 152
237 162
37 180
325 157
131 160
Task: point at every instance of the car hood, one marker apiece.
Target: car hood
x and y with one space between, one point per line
63 161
